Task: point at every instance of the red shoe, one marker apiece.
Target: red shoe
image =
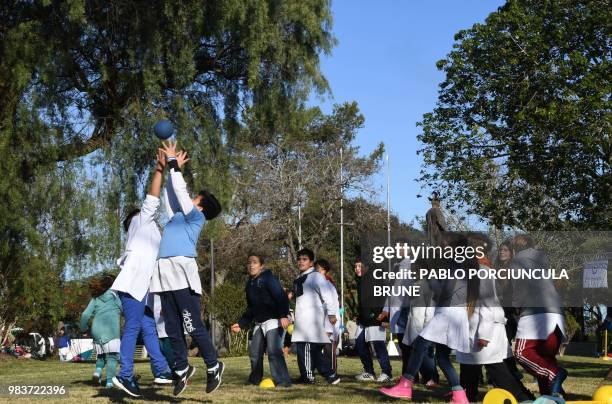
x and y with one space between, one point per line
403 389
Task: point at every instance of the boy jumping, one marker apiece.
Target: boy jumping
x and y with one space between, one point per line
176 277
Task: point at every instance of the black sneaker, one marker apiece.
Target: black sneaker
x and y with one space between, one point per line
213 377
129 385
300 380
180 382
333 379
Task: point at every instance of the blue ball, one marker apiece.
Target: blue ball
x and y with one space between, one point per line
163 129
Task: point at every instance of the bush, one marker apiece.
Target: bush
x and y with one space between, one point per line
227 305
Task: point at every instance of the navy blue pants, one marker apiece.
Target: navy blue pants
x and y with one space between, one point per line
181 310
366 358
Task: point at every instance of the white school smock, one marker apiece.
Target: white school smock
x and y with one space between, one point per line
418 318
539 326
138 260
449 326
333 329
311 308
488 322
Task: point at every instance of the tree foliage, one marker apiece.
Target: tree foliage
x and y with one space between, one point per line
82 83
521 131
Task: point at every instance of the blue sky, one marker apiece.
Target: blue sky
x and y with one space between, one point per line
385 60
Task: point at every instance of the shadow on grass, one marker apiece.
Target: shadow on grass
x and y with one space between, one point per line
148 393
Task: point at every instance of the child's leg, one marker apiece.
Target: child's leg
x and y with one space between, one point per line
278 366
417 353
174 329
504 379
322 365
364 353
133 310
256 354
149 333
111 367
380 347
469 380
100 361
443 357
304 361
527 352
188 303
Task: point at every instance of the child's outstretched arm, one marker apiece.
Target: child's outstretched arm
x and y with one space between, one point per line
175 160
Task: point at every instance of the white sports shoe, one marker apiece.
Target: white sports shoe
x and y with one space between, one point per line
365 377
384 378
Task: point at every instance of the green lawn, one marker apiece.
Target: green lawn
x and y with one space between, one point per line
585 375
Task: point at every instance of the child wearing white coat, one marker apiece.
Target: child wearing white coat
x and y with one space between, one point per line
313 304
488 341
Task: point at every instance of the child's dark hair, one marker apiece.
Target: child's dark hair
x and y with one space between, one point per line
209 204
259 256
307 252
128 219
323 264
100 284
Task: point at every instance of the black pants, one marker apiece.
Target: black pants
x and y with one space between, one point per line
501 377
310 357
405 351
329 355
181 310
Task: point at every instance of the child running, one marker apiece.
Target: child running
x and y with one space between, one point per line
105 309
268 306
176 278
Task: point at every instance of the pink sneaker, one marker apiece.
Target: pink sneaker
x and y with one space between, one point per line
403 389
459 397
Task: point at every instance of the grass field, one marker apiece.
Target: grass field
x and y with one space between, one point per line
586 375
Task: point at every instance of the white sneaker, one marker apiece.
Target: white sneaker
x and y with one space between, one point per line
384 378
365 377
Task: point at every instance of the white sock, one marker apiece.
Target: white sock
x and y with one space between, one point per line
182 372
214 368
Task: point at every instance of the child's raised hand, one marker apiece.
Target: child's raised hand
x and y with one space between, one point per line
169 148
181 158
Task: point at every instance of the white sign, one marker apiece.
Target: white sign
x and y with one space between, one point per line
595 274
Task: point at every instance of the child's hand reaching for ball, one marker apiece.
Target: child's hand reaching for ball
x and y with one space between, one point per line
181 158
169 149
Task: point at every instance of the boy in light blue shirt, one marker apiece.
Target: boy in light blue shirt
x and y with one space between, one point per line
176 277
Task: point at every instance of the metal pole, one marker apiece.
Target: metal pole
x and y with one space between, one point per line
300 225
212 286
388 210
341 246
